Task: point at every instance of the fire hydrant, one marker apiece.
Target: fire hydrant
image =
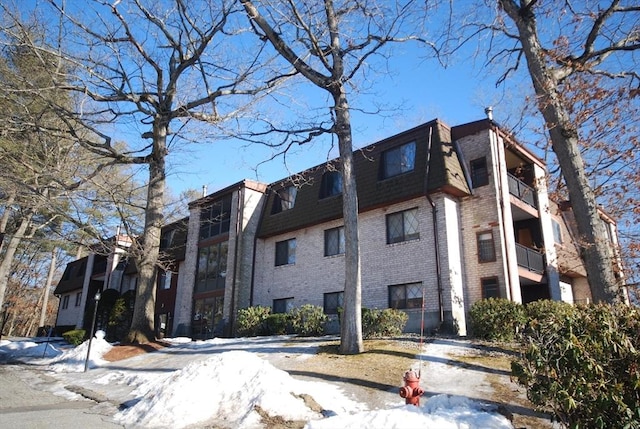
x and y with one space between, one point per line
411 390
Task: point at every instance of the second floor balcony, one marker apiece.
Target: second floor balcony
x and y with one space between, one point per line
530 259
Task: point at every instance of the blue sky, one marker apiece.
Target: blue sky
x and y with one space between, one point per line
425 89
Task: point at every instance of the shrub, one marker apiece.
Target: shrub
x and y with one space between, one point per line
496 319
276 324
119 320
308 320
75 336
383 323
543 309
251 321
584 366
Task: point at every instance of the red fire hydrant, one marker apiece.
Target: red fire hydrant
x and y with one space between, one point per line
411 390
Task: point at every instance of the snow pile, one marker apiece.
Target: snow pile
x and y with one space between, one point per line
27 350
73 360
440 411
226 383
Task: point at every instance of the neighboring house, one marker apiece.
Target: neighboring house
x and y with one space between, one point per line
106 270
447 216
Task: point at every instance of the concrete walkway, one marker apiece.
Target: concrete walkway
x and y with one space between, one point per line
25 405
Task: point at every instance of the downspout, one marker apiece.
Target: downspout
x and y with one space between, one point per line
239 217
434 213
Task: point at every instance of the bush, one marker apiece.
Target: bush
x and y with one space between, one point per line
496 319
75 336
308 320
543 309
383 323
276 324
584 366
251 321
119 321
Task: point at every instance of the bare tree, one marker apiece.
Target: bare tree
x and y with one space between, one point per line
149 68
329 44
570 50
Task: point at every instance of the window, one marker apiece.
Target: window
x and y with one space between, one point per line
490 288
164 280
212 267
286 252
78 299
332 302
557 232
402 226
479 172
216 218
398 160
334 241
331 184
284 199
166 239
486 249
405 296
65 302
283 305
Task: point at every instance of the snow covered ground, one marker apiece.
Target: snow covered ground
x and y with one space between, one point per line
229 382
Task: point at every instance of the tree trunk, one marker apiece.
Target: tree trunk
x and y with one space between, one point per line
597 251
142 325
10 251
4 220
47 288
351 323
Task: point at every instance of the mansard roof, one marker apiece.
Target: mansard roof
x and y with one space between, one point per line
436 170
73 277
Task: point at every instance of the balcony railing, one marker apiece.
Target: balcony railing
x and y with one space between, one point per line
530 259
522 191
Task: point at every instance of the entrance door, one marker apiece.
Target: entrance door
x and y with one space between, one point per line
207 317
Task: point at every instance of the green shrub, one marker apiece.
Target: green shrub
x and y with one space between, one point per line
251 321
308 320
496 319
543 309
75 336
584 366
383 323
276 324
119 321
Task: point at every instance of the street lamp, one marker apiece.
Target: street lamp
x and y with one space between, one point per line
5 315
93 325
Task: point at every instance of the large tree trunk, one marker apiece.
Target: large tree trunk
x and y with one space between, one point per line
10 251
351 324
142 324
597 251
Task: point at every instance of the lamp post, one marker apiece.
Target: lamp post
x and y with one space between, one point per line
5 315
93 325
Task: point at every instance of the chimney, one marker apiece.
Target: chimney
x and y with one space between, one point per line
204 190
489 112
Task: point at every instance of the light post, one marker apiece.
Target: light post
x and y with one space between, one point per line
93 325
5 315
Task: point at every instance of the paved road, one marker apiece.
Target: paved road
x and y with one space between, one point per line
26 402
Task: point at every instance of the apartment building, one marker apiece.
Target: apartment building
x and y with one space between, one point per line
447 216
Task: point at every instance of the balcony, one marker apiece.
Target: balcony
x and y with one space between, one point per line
530 259
522 191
